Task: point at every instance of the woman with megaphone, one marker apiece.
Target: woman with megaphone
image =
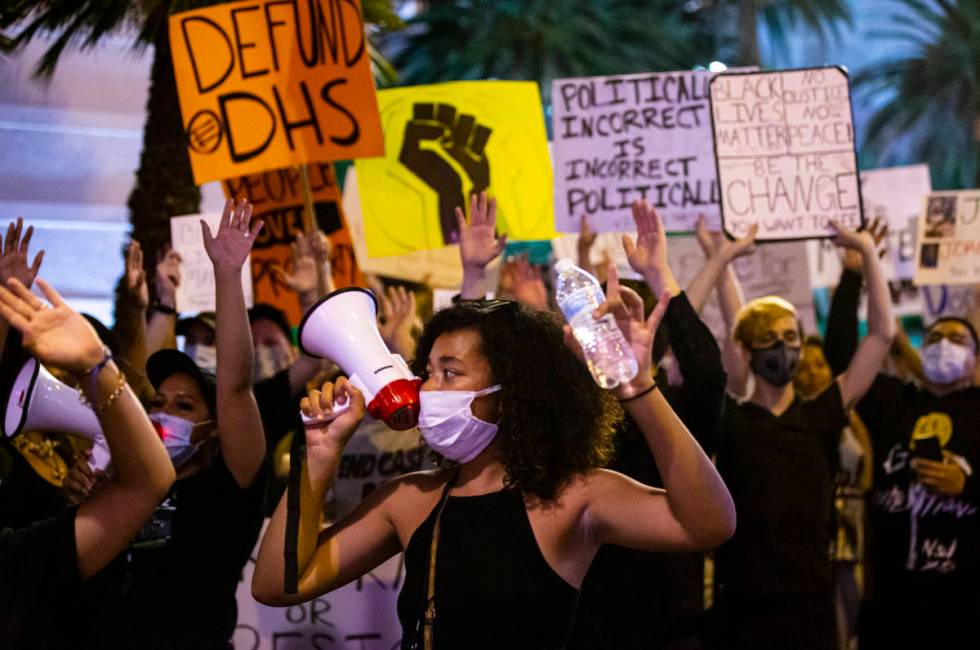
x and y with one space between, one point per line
41 566
498 541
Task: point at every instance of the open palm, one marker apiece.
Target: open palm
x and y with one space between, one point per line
478 240
58 335
229 248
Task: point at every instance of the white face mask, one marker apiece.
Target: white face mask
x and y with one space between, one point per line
205 356
945 362
270 360
176 434
449 426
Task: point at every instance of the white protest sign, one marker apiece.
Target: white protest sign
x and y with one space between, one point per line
784 143
895 195
948 239
774 269
195 293
627 137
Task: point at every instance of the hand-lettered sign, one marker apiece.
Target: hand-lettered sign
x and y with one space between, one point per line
195 293
277 198
445 142
621 138
784 144
949 239
265 84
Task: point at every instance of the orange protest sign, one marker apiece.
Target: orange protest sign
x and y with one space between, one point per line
277 197
265 84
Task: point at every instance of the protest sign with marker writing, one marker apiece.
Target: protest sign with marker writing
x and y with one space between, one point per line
265 84
195 293
621 138
277 199
948 242
784 143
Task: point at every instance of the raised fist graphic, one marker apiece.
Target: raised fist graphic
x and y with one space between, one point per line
461 139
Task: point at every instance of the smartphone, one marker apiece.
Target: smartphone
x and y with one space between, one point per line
928 448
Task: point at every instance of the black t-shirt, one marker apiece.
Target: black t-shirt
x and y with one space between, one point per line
921 540
780 472
177 592
38 577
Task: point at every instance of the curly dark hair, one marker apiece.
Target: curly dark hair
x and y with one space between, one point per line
555 421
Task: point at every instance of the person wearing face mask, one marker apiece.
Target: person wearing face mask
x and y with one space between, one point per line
498 541
779 457
925 502
174 587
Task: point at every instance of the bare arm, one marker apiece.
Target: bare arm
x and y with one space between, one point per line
331 558
478 245
161 326
872 350
239 424
58 336
719 254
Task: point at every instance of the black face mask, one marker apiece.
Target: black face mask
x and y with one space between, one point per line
776 364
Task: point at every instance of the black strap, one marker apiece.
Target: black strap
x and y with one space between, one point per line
297 450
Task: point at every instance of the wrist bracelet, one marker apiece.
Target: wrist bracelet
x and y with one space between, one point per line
113 396
638 395
94 371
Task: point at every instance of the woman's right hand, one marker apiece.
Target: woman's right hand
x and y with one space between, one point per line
56 335
326 435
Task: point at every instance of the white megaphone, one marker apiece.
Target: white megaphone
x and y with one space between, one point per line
343 327
39 402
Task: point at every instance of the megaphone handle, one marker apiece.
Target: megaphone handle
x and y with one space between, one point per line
338 409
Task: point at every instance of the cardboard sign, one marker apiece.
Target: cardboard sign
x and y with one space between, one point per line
277 197
895 195
437 268
265 84
949 239
774 269
195 293
784 143
621 138
444 142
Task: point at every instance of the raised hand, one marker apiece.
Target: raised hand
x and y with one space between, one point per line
478 240
648 256
56 335
860 241
526 283
398 312
851 257
586 240
136 284
713 243
229 248
303 278
167 277
13 255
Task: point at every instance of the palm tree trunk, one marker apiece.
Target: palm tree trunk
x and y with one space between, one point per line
748 33
164 182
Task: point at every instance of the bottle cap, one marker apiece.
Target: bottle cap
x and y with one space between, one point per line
564 264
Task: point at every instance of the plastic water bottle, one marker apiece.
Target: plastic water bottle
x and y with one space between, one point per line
609 357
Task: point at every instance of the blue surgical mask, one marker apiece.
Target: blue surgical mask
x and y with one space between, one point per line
176 434
205 357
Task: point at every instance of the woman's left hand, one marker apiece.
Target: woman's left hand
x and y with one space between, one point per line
627 308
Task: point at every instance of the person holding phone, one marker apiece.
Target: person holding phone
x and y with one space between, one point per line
925 500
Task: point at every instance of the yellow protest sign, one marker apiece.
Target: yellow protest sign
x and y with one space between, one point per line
265 84
277 197
446 141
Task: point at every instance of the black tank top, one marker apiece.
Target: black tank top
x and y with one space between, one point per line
494 589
